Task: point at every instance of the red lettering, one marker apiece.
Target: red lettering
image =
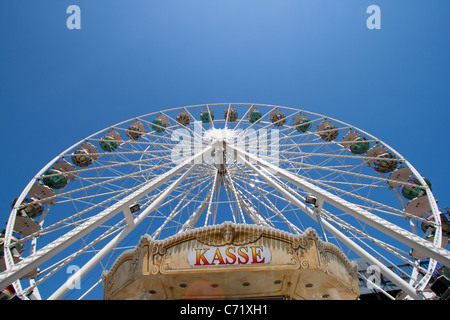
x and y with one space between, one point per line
218 257
243 255
231 255
257 254
201 256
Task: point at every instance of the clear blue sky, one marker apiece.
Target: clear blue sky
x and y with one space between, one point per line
133 57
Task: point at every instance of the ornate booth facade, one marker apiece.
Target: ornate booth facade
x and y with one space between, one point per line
231 261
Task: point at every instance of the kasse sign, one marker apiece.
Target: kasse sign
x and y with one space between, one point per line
233 255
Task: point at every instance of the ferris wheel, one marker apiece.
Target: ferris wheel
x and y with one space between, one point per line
171 171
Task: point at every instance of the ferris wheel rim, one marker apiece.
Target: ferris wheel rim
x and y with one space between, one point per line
212 105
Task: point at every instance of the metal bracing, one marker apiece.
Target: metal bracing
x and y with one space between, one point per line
246 205
339 235
408 238
117 239
268 204
29 263
178 208
192 220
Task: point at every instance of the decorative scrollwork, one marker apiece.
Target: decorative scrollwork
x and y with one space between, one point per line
162 250
227 234
154 250
154 270
304 264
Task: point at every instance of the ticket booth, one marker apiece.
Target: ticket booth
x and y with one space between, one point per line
232 261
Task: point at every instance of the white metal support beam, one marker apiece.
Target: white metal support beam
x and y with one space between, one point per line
31 262
440 254
128 216
318 211
117 239
193 219
245 204
402 284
